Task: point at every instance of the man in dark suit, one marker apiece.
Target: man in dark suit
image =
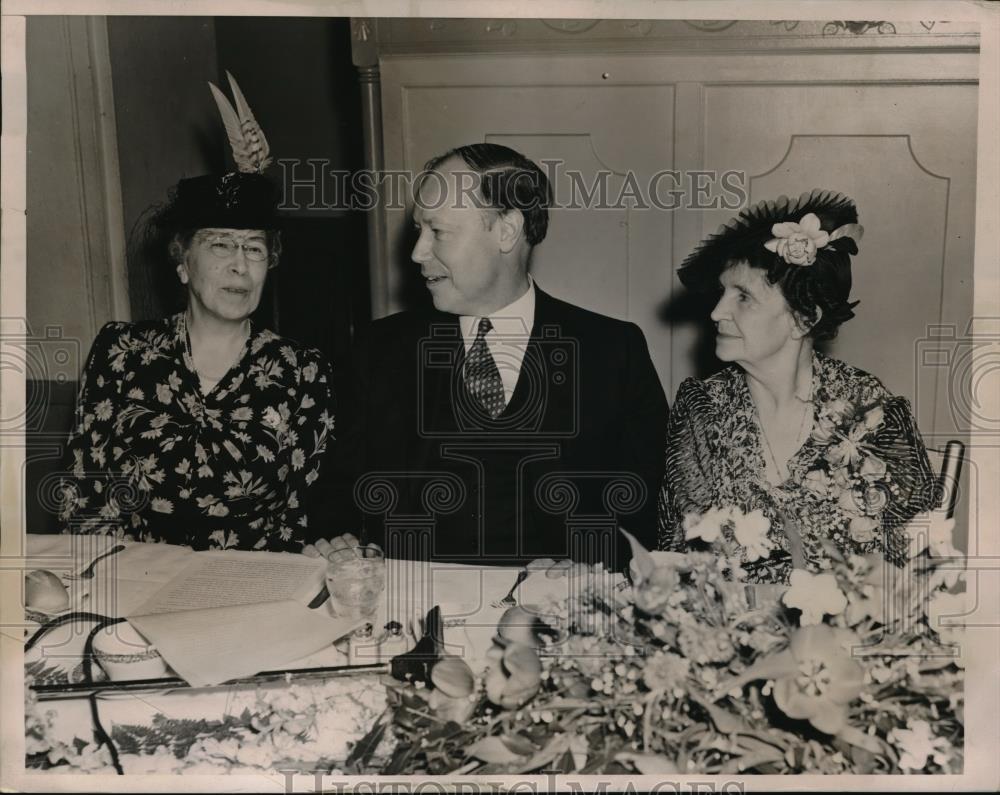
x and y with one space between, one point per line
504 425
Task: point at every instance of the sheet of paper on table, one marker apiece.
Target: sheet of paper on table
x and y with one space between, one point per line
206 647
221 578
126 580
232 613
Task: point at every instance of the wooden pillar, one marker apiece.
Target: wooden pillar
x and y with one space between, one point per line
365 55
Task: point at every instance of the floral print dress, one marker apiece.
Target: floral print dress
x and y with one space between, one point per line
862 472
152 457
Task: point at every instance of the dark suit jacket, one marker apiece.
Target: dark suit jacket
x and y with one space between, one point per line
578 450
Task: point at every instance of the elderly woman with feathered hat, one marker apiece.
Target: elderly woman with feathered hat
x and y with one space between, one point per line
200 428
787 454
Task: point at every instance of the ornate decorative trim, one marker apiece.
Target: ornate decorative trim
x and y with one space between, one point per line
859 28
402 36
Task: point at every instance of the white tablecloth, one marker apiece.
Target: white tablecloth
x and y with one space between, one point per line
465 594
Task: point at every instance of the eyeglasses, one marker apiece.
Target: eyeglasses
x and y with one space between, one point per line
226 248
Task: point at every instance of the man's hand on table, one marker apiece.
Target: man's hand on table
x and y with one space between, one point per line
324 548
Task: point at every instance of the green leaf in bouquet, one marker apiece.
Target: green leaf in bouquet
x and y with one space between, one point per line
692 737
519 744
39 761
773 666
364 749
569 703
649 764
566 763
494 750
752 761
446 731
400 760
760 743
644 563
862 760
726 722
872 744
558 745
412 712
604 762
44 674
933 664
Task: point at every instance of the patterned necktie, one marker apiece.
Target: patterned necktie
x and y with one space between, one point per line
482 377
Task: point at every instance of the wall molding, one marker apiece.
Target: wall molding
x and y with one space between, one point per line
397 36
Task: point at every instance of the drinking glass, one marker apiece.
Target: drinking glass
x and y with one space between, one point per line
355 578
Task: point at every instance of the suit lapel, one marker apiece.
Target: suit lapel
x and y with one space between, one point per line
533 374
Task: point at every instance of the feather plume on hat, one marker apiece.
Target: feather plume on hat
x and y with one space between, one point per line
244 198
250 149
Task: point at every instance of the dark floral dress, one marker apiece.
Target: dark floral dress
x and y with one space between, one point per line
715 459
150 456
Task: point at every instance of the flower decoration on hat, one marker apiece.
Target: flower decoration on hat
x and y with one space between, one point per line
797 243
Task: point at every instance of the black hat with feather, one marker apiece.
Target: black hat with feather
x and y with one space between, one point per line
804 245
241 199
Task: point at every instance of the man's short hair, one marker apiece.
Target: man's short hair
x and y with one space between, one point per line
509 181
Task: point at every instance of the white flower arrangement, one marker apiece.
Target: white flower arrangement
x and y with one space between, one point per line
815 596
743 536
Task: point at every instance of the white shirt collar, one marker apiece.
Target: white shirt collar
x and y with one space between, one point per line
515 320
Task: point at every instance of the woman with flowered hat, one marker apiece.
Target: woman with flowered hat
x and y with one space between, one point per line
810 451
200 428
